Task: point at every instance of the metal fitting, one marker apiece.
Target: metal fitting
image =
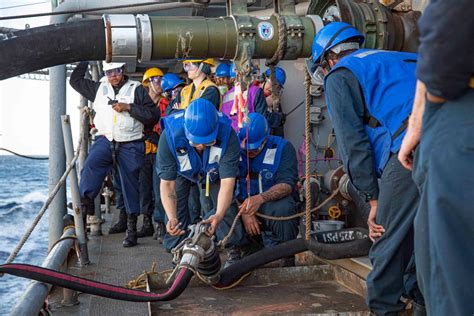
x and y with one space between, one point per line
121 38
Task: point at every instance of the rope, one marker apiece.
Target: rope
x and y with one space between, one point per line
24 156
140 281
74 237
225 287
277 218
307 84
53 193
275 59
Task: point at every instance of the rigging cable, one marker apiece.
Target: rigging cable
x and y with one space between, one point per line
171 6
24 156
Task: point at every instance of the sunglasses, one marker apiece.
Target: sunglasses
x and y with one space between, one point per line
114 72
207 144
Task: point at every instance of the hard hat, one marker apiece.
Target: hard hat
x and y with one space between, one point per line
222 71
331 35
232 73
201 122
254 132
108 66
150 73
170 81
279 74
209 61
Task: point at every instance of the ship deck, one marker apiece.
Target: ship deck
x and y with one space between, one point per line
314 286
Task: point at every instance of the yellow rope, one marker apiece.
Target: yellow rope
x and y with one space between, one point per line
140 281
227 287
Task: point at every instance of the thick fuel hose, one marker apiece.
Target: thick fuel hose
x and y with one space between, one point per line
41 47
234 272
97 288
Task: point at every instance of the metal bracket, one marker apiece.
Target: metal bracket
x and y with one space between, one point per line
246 33
294 27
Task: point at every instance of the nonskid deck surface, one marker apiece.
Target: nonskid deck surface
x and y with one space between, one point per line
301 290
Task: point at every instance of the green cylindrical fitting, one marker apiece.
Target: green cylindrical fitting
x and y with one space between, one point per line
199 37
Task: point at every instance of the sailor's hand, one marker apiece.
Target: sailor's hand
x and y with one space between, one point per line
213 222
375 230
120 107
410 141
173 227
251 224
251 205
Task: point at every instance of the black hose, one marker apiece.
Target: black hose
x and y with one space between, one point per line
234 272
97 288
51 45
341 250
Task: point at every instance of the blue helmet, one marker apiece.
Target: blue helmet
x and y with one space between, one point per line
258 131
201 122
280 75
331 35
170 81
232 73
222 71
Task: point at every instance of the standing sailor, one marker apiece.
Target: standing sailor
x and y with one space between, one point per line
198 71
122 109
443 118
369 95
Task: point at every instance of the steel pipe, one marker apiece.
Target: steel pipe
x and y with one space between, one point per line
32 300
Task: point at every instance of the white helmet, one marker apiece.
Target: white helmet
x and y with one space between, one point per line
108 66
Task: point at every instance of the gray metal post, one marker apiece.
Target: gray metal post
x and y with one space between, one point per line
32 300
76 198
57 157
96 220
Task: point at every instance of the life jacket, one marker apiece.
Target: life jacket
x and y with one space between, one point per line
187 98
228 102
190 164
263 168
118 126
388 82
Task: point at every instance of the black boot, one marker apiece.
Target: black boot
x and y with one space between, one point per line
131 234
121 225
147 227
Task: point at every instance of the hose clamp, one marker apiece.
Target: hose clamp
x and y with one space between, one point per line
121 38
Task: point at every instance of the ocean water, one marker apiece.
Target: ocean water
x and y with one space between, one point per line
23 190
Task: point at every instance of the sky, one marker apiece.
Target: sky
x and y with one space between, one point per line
24 103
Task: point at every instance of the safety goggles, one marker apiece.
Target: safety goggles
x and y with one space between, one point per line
316 71
207 144
156 79
114 72
190 67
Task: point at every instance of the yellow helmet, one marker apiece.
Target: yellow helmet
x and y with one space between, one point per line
209 61
151 72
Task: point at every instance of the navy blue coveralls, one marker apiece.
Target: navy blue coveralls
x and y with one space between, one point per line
226 167
128 155
275 164
443 166
355 94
